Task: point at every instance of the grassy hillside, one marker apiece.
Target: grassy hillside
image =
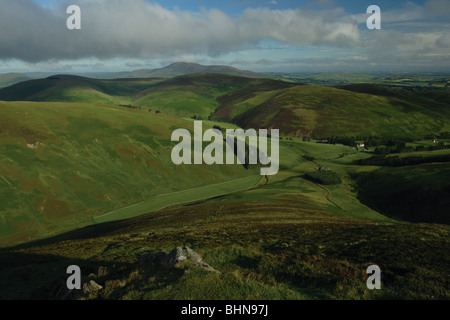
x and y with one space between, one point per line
297 110
419 193
436 98
199 94
289 238
324 111
9 79
66 88
268 243
88 182
61 164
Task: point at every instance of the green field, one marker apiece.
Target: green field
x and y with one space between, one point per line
410 80
179 197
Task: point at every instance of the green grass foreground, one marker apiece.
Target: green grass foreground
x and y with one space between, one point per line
284 247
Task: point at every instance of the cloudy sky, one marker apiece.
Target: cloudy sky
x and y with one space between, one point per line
259 35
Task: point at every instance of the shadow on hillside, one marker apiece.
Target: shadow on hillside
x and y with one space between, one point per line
88 232
29 276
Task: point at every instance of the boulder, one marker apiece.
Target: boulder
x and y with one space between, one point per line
91 286
178 257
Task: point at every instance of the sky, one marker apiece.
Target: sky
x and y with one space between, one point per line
258 35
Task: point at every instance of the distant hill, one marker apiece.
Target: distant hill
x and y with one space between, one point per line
299 110
188 95
200 94
296 109
183 68
9 79
441 96
320 111
69 88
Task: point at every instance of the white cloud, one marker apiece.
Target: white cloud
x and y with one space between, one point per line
298 27
137 30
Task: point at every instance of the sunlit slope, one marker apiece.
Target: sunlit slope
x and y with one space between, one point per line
61 164
295 109
324 111
68 88
200 94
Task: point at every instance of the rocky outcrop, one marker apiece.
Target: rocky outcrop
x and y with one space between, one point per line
91 286
178 257
88 286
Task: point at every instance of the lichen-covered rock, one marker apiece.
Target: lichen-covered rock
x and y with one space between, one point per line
178 257
91 286
61 292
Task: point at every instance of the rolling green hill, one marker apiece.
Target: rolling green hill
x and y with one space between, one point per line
297 110
9 79
200 94
437 98
324 111
62 164
88 182
67 88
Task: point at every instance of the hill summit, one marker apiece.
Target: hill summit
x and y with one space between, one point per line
182 69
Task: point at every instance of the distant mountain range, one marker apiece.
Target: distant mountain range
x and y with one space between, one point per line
172 70
181 69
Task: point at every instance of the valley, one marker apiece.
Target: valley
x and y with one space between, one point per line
86 178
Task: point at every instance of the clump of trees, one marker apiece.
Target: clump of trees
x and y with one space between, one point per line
398 147
324 177
345 140
129 106
402 148
308 158
384 145
442 135
383 160
197 117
